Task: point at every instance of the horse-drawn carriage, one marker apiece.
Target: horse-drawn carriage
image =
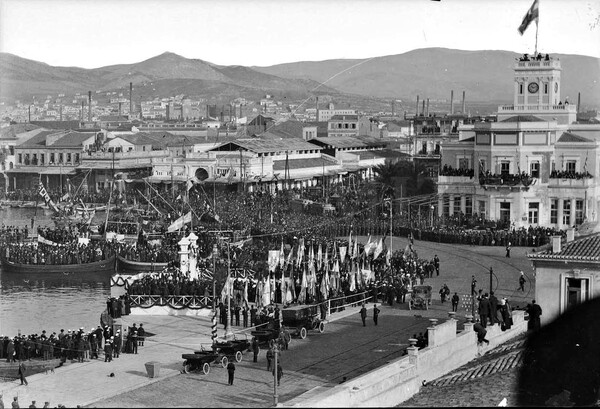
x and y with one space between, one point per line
420 297
220 353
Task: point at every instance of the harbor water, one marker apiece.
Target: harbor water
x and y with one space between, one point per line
50 301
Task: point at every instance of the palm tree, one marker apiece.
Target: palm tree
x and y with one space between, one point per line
385 175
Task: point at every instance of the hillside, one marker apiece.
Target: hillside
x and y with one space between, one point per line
168 73
434 72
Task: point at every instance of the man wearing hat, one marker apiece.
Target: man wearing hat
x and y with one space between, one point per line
46 405
108 350
32 405
99 334
15 402
117 344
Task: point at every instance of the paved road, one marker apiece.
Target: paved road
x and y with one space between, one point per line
344 349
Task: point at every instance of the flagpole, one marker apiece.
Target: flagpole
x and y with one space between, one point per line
536 37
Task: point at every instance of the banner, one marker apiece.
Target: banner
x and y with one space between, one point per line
42 240
179 223
273 259
343 250
49 202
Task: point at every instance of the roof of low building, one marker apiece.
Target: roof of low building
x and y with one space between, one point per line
344 118
69 139
58 124
523 118
340 142
571 137
12 131
303 163
259 145
582 249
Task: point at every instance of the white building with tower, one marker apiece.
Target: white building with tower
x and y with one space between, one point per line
535 166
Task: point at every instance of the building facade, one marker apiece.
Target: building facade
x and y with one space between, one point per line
534 166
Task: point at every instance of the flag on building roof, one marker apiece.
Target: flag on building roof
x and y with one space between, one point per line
532 14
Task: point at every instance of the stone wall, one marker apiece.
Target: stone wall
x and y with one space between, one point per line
396 382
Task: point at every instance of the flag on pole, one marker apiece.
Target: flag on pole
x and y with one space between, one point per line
300 253
350 245
180 222
320 257
303 286
388 257
378 249
355 251
532 14
282 255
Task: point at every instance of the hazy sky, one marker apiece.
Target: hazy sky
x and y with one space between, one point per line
96 33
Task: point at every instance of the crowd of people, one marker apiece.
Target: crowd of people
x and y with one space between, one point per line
38 253
450 171
563 174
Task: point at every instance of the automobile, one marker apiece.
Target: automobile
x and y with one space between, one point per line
420 297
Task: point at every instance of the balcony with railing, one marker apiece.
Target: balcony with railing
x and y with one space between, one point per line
450 175
564 179
506 180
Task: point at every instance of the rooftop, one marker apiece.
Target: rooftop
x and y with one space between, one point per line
523 118
267 145
582 249
571 137
340 142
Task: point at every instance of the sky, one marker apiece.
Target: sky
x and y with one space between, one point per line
95 33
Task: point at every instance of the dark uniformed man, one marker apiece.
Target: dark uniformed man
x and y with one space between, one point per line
255 348
230 372
375 313
363 315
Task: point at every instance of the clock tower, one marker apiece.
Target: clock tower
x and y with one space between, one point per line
537 91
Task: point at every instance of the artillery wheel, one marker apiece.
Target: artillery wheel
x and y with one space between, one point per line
224 362
321 327
187 367
303 332
205 368
238 356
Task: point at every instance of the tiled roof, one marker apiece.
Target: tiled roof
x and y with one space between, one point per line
523 118
571 137
583 249
12 131
279 165
140 138
58 124
347 142
287 129
73 139
261 120
38 140
344 118
268 145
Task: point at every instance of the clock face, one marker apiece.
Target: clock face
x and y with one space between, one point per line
533 87
556 87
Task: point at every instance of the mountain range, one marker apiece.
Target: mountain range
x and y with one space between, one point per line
430 73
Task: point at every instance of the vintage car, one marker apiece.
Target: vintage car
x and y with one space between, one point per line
420 297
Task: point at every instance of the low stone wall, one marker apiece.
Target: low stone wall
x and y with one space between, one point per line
401 379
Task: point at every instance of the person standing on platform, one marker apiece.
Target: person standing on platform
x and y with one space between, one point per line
108 350
230 372
522 282
134 341
376 312
23 373
484 310
255 348
363 315
455 300
141 335
245 315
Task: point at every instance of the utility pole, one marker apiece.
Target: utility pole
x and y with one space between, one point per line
491 273
275 373
214 292
228 333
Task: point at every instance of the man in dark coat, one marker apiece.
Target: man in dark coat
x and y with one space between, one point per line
534 311
255 348
484 310
252 316
376 312
363 315
230 372
141 335
493 308
23 373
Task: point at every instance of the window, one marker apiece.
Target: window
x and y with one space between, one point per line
534 169
481 208
27 159
20 158
463 163
353 126
68 158
553 211
577 291
42 158
571 166
534 209
446 206
520 89
52 158
34 160
60 158
579 211
456 208
468 206
552 166
482 165
76 158
566 212
545 88
345 126
504 167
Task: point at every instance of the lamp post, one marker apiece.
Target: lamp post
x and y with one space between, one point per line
214 283
228 333
390 203
275 374
432 208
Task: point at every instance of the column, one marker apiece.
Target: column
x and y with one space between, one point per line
463 204
184 253
440 206
193 256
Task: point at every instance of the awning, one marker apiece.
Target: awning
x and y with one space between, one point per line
43 170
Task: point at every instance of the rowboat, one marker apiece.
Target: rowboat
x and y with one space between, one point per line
11 370
103 266
139 266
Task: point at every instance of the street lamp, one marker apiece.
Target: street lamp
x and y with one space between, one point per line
390 203
228 333
275 373
214 291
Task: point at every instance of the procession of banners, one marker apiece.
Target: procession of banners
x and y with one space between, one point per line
359 275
